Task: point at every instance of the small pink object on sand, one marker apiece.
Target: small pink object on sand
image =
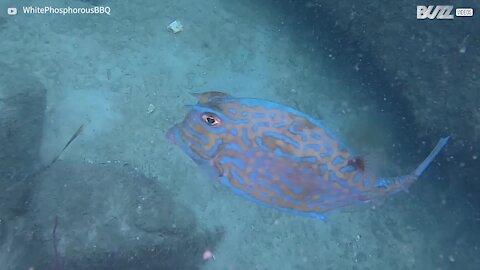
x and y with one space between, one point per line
207 255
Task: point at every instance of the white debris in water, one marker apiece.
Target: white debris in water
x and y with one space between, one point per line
358 237
463 45
151 108
175 26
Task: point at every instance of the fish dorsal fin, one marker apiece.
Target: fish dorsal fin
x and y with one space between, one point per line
207 97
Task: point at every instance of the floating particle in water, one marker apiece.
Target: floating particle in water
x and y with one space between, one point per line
463 46
207 255
358 237
356 67
151 108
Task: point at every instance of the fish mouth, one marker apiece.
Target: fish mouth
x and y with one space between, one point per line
170 135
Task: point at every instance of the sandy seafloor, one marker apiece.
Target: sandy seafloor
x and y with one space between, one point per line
105 71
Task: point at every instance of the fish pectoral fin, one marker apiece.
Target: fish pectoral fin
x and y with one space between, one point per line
218 167
213 169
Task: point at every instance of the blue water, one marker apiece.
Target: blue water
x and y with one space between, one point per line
121 196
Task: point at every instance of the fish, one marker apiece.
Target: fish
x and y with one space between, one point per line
279 157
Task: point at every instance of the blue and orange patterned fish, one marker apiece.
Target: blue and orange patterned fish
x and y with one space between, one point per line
279 157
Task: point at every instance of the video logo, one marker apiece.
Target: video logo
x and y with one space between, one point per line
442 12
439 13
12 11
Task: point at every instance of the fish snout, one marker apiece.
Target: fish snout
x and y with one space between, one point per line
170 135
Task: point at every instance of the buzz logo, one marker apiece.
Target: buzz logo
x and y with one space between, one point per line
434 12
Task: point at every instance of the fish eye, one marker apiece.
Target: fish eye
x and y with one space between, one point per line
211 119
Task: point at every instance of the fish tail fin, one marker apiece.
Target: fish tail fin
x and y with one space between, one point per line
421 168
402 183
